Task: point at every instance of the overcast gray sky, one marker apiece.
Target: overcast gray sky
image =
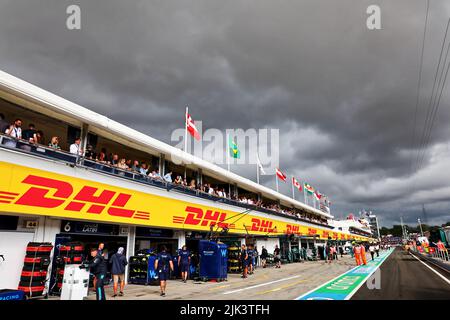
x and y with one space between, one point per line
342 96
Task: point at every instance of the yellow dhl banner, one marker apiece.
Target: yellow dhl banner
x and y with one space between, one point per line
25 190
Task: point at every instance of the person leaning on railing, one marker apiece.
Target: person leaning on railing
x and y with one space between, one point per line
14 131
54 143
143 169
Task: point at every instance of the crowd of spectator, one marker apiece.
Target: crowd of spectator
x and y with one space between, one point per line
34 136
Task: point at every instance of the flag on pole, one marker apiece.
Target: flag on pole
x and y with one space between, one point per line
281 175
308 188
317 195
296 184
234 150
190 126
259 164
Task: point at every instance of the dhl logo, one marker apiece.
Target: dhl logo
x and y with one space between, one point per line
196 217
325 234
262 225
51 193
312 231
292 229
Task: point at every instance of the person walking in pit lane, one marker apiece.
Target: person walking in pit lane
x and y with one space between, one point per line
183 262
363 254
98 269
264 255
377 249
100 249
372 250
244 259
118 263
163 266
357 252
256 258
250 258
277 255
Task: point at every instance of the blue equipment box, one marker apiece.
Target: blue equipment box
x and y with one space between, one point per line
213 260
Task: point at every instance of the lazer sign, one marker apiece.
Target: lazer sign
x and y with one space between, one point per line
30 191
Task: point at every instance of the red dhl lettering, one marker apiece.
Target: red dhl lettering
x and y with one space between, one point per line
312 231
197 217
261 225
52 193
292 229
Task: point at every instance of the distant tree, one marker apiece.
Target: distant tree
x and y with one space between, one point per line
396 230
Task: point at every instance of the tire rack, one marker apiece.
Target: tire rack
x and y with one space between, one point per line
34 271
234 264
69 253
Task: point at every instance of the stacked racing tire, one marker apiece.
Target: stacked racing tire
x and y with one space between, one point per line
70 253
34 271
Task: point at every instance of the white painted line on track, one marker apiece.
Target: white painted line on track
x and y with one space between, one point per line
260 285
368 277
337 277
437 273
321 285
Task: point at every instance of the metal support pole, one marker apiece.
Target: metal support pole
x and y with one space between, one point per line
186 130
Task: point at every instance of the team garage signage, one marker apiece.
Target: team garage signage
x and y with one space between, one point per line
32 191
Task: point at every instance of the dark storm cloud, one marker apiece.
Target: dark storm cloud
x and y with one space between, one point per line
342 96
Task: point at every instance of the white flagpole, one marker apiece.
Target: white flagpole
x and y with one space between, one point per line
276 179
257 169
304 194
186 130
293 194
228 152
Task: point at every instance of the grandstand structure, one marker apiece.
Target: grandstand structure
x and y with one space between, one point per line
52 195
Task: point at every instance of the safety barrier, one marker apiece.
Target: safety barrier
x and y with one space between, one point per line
434 252
440 254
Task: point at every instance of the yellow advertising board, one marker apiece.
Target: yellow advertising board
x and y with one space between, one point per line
25 190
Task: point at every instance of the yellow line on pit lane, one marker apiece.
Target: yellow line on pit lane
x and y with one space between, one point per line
282 287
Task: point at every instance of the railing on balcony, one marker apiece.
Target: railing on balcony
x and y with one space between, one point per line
23 146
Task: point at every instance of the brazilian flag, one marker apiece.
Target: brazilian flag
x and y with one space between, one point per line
234 150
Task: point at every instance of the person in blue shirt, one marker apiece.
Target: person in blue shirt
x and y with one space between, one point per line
183 262
163 266
168 177
250 259
244 258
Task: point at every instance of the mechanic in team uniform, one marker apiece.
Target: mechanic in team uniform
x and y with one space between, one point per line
244 260
98 269
163 266
250 258
183 262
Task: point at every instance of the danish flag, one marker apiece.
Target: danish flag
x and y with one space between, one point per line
190 126
296 184
281 175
